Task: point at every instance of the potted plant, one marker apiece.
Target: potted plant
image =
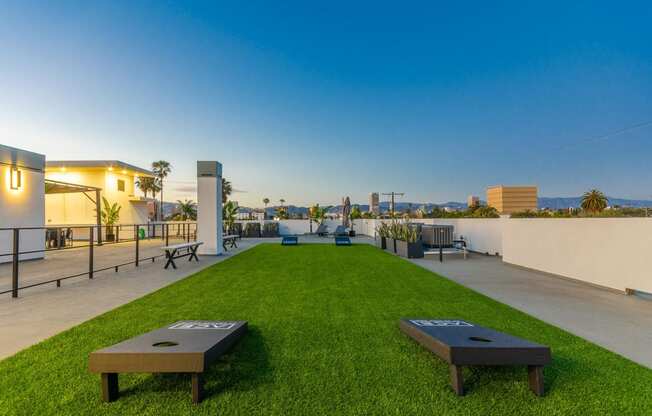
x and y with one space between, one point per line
394 234
409 244
110 216
229 214
382 234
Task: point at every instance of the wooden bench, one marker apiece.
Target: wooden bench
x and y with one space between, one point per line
462 343
173 252
230 238
183 347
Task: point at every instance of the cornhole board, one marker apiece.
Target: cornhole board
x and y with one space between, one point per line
182 347
461 343
342 241
290 240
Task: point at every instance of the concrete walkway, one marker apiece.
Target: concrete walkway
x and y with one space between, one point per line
619 323
44 311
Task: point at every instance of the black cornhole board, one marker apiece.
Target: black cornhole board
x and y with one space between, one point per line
182 347
461 343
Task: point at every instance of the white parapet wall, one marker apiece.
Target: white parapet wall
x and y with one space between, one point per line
609 252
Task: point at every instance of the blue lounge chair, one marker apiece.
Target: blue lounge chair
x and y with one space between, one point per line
342 240
341 231
290 240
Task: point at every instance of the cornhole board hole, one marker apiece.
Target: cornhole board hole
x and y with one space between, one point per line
182 347
462 343
290 240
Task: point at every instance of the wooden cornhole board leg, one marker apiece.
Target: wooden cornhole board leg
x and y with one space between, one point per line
535 378
457 381
110 388
197 387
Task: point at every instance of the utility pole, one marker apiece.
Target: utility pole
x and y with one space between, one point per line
391 204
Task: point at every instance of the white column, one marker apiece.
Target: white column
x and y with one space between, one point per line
209 207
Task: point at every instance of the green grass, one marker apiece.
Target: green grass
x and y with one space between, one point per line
323 339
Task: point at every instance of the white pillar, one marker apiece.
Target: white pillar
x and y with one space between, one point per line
209 207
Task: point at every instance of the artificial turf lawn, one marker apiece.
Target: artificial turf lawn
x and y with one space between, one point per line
323 339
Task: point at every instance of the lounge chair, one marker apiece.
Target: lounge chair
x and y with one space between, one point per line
341 231
290 240
322 230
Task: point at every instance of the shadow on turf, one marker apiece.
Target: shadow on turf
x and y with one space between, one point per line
244 367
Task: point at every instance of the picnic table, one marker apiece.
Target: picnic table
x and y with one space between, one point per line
176 251
461 343
231 240
182 347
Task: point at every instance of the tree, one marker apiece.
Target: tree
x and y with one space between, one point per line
282 201
265 201
226 190
355 213
188 210
146 184
161 170
317 213
282 213
594 201
229 213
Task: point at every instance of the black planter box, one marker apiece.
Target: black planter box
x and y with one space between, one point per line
409 250
270 230
352 233
381 242
390 245
252 230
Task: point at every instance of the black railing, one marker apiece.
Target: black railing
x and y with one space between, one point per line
77 237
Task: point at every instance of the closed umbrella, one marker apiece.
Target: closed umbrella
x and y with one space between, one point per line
346 211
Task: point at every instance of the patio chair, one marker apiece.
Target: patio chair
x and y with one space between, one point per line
322 230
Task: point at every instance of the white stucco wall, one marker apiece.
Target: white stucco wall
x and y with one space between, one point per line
22 208
610 252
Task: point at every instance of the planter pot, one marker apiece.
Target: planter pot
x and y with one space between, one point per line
381 243
390 245
109 238
351 233
409 250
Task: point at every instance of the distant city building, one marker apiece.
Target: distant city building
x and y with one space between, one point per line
510 199
374 203
472 201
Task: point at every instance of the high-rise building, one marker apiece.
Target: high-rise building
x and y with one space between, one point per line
374 203
472 201
510 199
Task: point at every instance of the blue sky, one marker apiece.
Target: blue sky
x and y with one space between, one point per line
313 102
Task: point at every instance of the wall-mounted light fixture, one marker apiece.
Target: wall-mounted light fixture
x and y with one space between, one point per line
16 181
110 169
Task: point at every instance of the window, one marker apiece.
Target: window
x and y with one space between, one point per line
121 185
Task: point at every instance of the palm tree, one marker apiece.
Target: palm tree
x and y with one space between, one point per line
265 201
226 190
594 201
282 201
188 210
147 184
161 170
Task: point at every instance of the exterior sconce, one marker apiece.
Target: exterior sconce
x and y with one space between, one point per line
16 181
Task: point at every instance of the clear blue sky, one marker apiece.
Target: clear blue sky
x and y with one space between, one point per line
310 103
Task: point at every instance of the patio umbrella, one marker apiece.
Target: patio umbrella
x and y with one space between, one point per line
346 211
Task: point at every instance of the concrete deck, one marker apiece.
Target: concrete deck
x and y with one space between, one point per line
619 323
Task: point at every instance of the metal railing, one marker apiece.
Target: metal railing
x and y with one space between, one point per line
62 237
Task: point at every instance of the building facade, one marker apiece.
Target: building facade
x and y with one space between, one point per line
115 181
510 199
374 203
